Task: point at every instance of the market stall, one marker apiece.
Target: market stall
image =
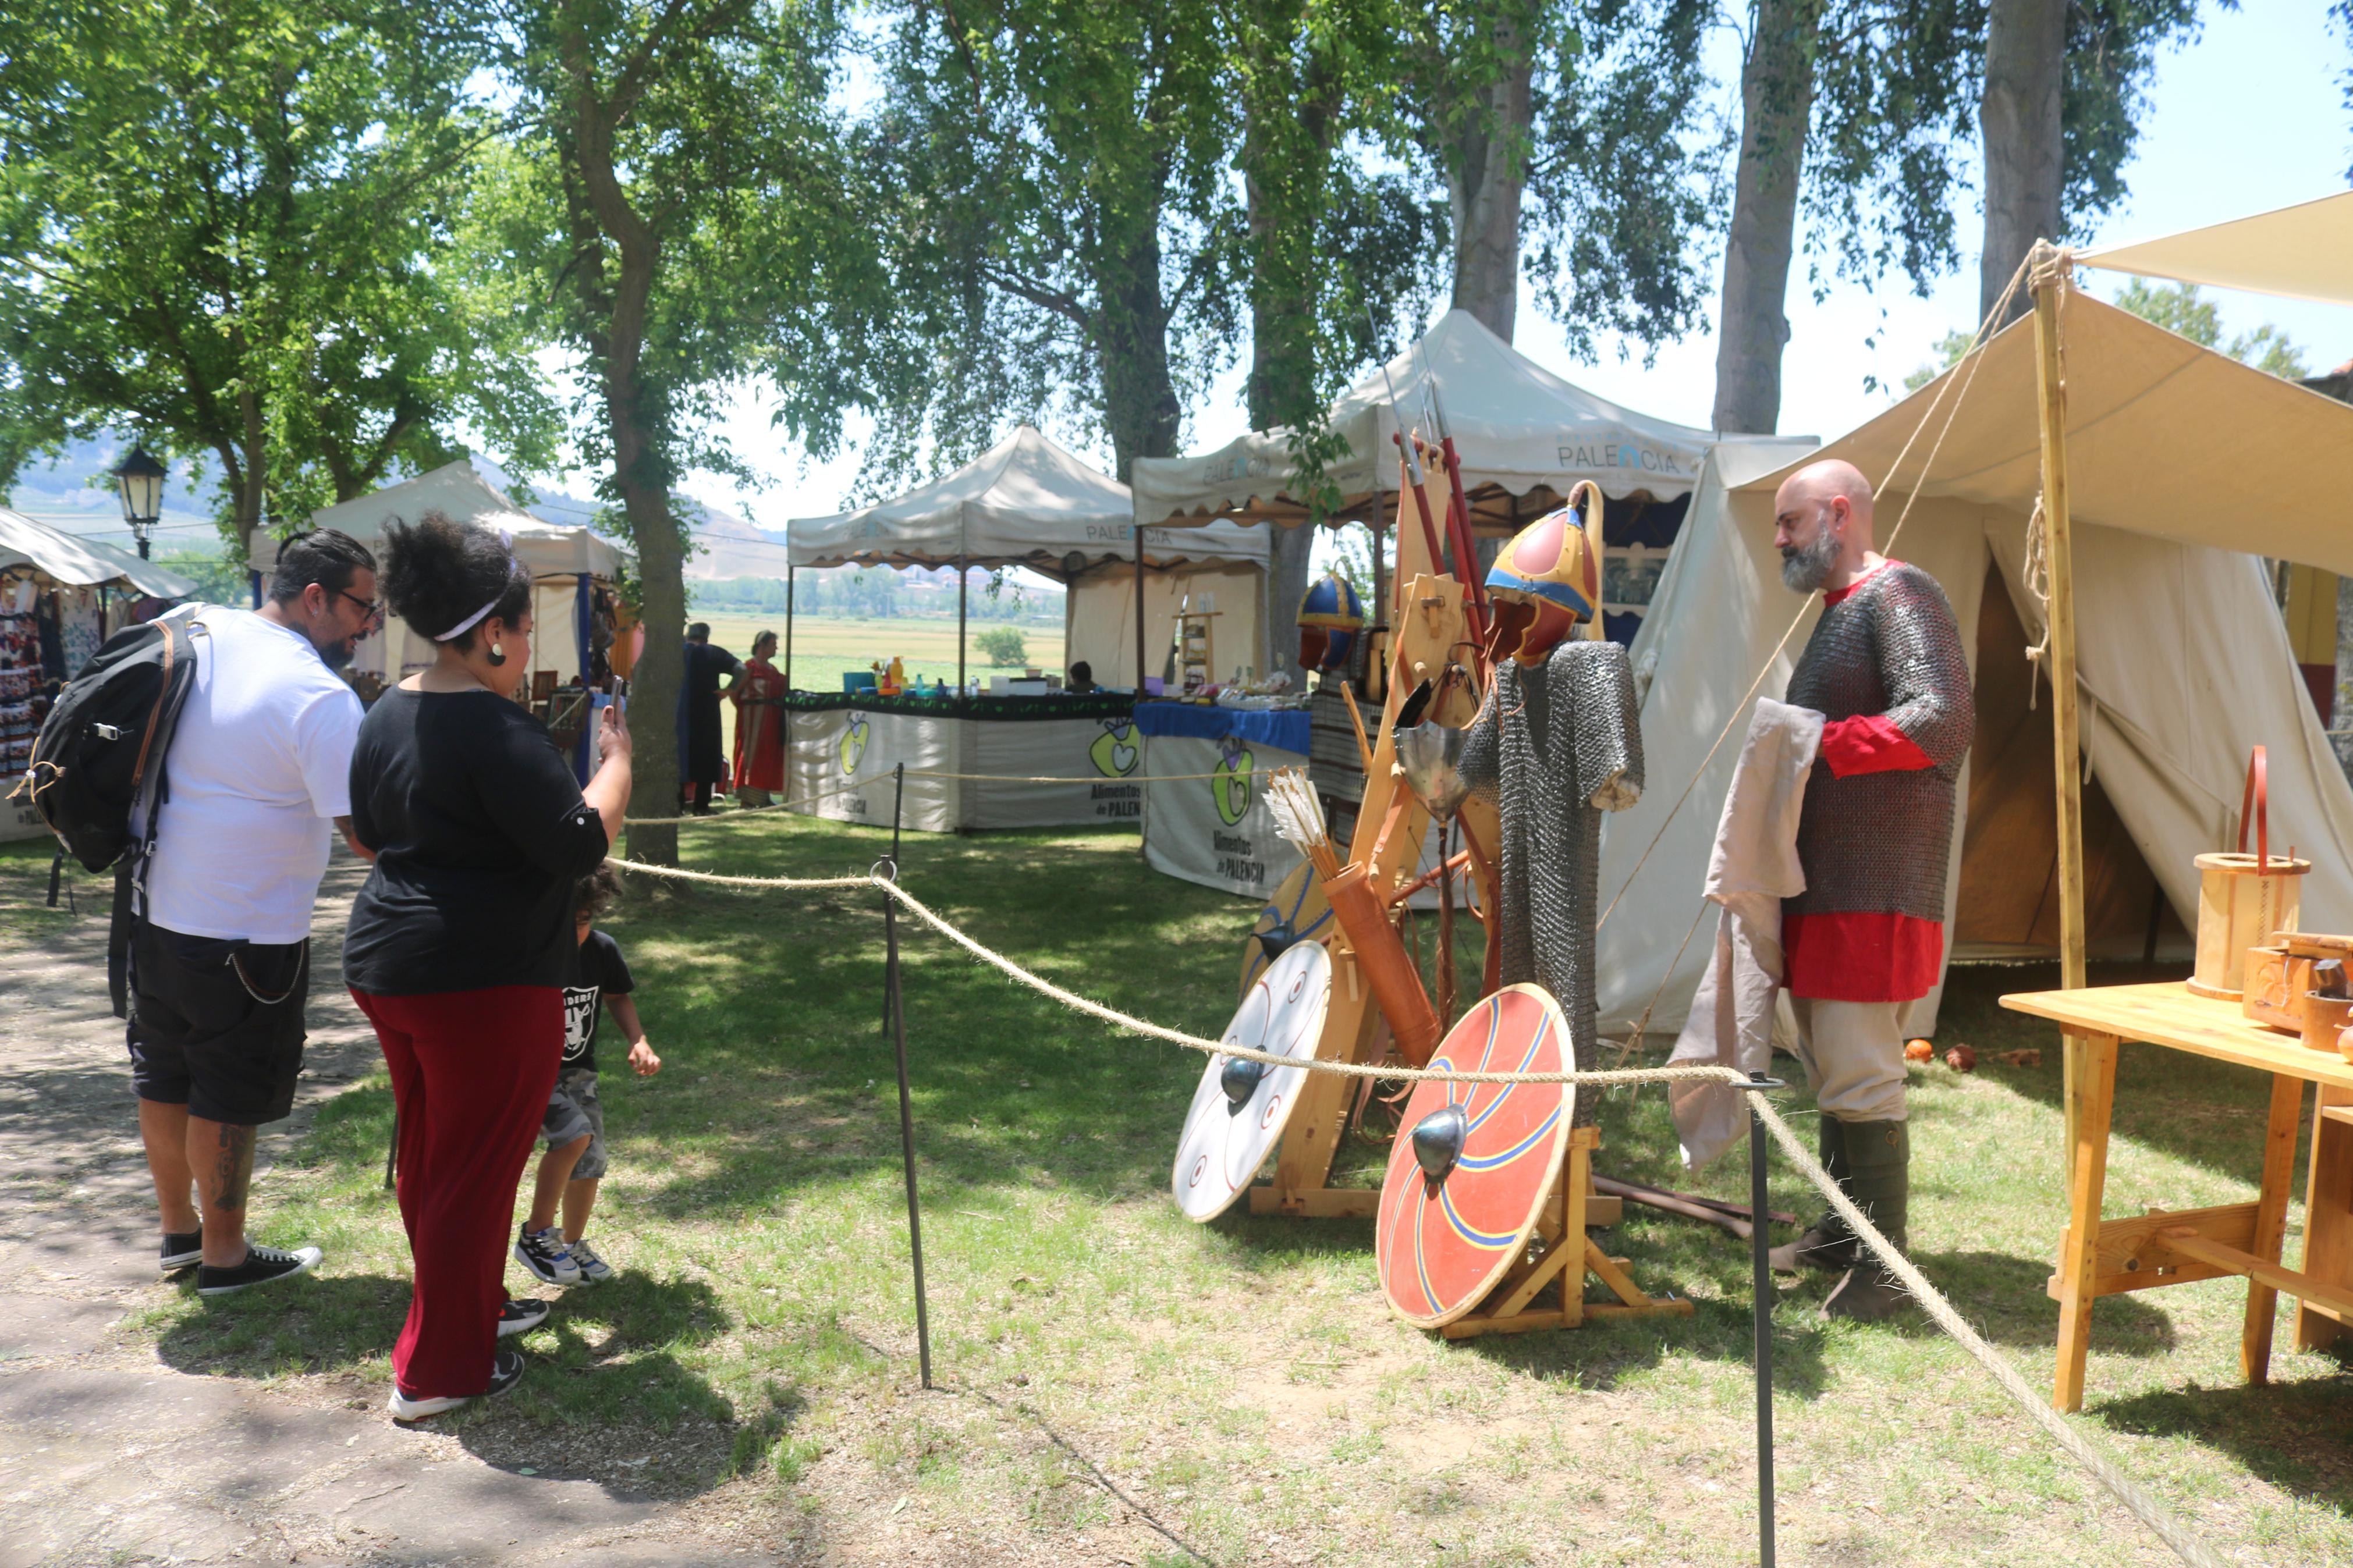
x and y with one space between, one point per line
581 623
1025 502
60 597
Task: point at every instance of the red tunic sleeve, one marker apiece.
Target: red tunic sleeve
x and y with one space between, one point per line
1870 743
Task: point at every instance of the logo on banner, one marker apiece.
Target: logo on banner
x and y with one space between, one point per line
852 745
1229 783
1115 752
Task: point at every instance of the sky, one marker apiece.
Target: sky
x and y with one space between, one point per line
2249 118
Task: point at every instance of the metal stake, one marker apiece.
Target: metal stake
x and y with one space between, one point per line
896 1012
1760 1247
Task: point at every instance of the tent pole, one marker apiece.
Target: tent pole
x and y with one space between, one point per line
2048 270
964 593
1139 612
790 569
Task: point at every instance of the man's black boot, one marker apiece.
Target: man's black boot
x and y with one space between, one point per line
1879 1160
1828 1242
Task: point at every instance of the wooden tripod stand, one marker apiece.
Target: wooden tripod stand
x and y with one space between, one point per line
1510 1308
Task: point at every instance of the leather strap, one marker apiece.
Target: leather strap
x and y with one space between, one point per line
2257 801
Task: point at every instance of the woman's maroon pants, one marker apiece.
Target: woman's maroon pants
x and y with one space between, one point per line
470 1075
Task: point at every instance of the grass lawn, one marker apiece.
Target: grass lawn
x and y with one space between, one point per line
1116 1385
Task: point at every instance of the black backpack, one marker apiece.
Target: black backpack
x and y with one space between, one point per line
101 747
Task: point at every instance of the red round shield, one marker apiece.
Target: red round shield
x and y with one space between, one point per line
1443 1244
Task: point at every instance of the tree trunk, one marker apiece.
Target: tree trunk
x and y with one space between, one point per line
2026 162
1776 98
641 477
1487 170
1140 403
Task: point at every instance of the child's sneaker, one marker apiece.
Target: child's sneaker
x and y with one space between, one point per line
544 1252
520 1317
593 1268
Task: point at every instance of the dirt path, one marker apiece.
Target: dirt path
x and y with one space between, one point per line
107 1454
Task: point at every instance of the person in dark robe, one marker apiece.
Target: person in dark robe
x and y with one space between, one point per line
701 763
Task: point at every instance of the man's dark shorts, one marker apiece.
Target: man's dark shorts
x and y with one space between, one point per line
217 1025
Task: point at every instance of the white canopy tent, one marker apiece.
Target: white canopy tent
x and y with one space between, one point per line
81 563
1524 436
1030 502
557 555
2296 252
2180 461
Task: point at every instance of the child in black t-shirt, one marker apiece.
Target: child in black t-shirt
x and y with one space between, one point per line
573 1130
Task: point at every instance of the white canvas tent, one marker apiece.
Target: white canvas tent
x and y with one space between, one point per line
1524 436
556 554
82 563
2298 252
1029 502
2180 461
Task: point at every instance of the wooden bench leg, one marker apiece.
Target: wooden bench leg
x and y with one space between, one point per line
2091 1098
2271 1223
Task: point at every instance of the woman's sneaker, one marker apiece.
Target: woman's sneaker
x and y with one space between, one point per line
544 1252
593 1268
506 1370
261 1265
181 1249
520 1317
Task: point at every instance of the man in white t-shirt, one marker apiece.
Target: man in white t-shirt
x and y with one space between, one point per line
260 766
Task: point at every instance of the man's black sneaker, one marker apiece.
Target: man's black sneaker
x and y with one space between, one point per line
520 1317
506 1370
261 1265
181 1249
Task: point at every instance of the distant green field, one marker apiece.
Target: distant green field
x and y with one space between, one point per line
824 649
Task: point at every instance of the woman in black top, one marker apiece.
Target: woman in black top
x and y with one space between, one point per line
461 941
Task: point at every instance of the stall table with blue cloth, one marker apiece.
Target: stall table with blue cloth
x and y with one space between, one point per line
970 761
1205 814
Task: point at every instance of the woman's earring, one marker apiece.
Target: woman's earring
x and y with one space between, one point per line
498 654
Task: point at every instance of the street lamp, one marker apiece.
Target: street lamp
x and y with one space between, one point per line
140 478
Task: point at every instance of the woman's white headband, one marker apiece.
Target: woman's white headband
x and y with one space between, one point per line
476 619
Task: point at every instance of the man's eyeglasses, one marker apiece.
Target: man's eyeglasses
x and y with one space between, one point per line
372 609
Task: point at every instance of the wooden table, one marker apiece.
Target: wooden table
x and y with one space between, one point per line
2099 1257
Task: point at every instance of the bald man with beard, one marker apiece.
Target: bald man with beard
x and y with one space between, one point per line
1886 668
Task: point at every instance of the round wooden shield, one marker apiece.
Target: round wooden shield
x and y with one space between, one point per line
1227 1141
1443 1244
1298 908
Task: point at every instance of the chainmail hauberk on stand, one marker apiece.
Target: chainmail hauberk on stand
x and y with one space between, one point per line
1879 842
1555 747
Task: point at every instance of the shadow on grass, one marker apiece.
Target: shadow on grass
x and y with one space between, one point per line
1093 1472
2296 1435
2207 1112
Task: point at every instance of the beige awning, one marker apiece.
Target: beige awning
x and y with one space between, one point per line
2303 252
2164 438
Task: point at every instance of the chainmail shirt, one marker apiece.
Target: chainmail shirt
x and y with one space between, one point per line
1878 842
1556 747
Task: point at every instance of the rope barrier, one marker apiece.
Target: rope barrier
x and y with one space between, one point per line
857 785
2142 1505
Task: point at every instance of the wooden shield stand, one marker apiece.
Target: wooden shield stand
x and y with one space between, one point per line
1511 1307
1429 626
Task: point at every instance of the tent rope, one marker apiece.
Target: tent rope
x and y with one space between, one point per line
2143 1506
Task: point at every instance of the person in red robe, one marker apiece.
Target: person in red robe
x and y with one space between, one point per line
758 695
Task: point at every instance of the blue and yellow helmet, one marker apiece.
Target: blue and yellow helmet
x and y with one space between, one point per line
1545 584
1330 617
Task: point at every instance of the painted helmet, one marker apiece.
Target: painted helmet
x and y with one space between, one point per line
1543 585
1330 617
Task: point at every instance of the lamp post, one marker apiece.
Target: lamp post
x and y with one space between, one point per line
140 479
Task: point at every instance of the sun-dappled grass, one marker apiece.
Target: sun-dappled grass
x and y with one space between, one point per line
1242 1385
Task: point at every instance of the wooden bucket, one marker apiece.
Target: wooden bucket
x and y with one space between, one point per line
2243 900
